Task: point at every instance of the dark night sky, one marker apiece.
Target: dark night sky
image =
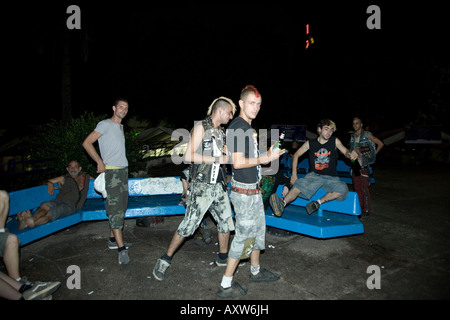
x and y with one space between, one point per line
172 61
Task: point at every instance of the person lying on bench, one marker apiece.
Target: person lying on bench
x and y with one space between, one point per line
323 159
73 188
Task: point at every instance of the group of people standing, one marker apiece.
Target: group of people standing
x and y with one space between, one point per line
208 152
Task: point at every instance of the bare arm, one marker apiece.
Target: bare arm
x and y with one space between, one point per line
377 141
304 148
50 184
88 145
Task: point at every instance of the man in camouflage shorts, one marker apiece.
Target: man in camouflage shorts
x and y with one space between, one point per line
113 162
207 152
116 185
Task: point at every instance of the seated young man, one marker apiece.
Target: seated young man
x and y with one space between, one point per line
323 157
71 197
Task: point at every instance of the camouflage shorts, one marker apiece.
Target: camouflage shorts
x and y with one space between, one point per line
250 224
201 198
116 184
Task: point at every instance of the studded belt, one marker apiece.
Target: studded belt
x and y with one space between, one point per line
249 192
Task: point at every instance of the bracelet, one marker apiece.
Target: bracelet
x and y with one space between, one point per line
217 160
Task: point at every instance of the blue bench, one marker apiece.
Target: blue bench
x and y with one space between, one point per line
342 169
333 219
161 196
147 197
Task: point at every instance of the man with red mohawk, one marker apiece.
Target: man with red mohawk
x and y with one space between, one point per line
246 197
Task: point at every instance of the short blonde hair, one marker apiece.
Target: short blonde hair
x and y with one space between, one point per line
219 102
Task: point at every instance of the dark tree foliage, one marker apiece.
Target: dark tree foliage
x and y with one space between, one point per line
62 141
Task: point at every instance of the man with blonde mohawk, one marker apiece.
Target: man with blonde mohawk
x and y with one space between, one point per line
207 190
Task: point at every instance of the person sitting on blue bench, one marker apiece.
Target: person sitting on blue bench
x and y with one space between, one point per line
12 285
9 243
73 189
323 159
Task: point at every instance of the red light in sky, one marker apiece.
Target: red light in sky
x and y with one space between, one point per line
307 32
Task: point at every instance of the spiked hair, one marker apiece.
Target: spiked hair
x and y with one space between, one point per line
249 89
221 102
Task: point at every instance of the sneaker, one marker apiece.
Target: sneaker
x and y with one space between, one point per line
198 238
277 204
202 236
224 262
312 206
264 275
41 290
206 234
160 268
221 262
232 292
123 257
113 245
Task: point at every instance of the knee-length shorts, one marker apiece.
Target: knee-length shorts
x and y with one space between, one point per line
201 198
309 185
116 203
250 223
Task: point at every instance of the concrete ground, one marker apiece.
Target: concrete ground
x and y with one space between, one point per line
406 237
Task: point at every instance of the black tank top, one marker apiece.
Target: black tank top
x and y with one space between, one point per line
323 157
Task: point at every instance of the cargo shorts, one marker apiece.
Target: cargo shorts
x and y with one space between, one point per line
312 182
201 198
250 222
116 185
